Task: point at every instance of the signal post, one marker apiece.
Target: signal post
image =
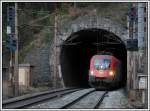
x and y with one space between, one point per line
12 46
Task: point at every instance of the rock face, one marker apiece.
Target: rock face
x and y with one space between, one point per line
38 58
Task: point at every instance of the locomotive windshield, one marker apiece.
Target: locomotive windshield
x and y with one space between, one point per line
101 64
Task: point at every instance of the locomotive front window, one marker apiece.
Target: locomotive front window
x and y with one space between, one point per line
101 64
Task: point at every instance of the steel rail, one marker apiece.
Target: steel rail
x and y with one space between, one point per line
100 100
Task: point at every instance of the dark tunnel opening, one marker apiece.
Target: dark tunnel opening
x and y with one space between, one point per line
78 49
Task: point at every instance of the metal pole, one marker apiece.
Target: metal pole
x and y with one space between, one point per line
141 36
143 96
140 32
16 82
11 72
55 48
140 25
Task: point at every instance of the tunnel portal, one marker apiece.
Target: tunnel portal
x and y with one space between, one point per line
78 49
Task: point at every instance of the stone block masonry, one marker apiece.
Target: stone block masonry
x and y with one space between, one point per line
39 59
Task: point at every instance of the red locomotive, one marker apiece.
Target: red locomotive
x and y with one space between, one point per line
105 71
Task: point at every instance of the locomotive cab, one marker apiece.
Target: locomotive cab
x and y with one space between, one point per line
105 70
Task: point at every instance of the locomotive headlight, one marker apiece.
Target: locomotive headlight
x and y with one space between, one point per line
101 66
92 72
111 73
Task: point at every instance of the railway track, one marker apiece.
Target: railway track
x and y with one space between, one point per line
80 103
31 99
82 99
68 98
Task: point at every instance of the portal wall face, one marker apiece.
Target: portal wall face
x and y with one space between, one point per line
87 22
66 30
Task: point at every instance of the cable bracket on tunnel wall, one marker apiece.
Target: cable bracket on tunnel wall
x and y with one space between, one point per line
67 44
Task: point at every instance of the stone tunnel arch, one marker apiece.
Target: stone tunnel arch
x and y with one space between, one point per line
78 49
72 57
